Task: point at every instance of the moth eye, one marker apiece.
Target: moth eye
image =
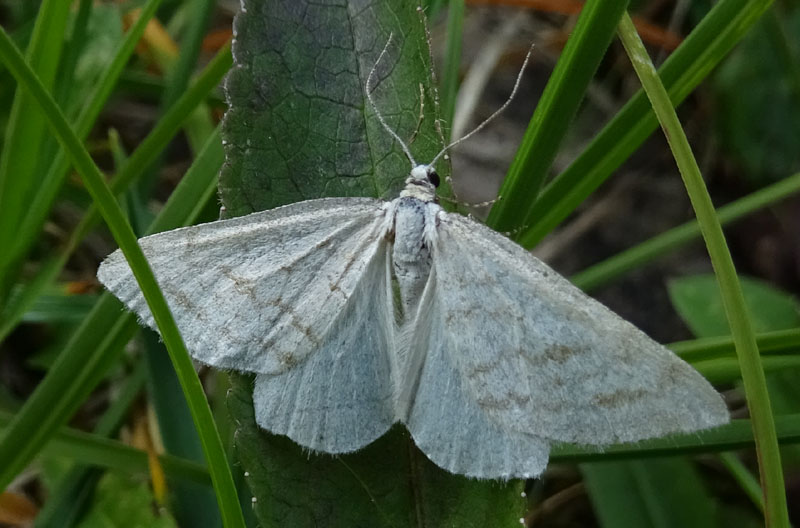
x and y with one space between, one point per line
433 177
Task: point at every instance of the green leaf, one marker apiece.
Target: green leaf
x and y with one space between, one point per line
699 303
299 127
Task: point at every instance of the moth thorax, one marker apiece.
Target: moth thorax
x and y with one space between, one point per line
411 257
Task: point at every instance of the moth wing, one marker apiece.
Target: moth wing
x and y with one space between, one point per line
444 418
260 292
539 356
341 398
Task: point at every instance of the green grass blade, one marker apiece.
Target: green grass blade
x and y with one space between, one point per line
452 62
560 101
157 140
96 450
191 505
635 257
178 78
700 52
179 71
69 496
25 130
726 370
102 196
95 183
42 201
147 151
89 354
744 478
752 371
736 435
73 49
715 347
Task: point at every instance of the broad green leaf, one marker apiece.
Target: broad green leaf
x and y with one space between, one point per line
697 300
299 127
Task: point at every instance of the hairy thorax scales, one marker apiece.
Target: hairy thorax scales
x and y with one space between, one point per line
411 256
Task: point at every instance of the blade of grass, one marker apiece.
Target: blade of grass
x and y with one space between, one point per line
69 496
155 142
633 258
452 62
73 49
89 354
25 129
744 478
95 183
99 451
94 450
772 483
700 52
123 234
714 347
198 13
179 69
736 435
178 78
147 151
39 207
726 370
560 101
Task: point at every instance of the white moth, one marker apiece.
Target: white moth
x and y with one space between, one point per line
495 357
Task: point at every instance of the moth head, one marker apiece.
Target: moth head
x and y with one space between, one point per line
424 174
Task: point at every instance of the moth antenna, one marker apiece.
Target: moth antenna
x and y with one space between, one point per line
495 114
383 122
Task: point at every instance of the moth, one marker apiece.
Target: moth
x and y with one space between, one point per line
495 357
